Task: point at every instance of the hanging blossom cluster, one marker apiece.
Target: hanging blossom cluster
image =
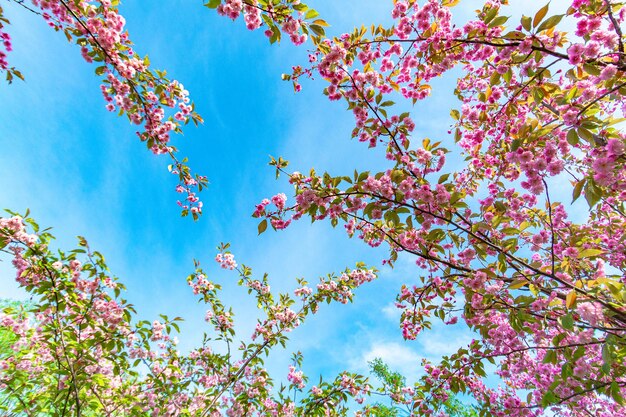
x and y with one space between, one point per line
6 44
539 113
226 261
159 105
5 47
285 17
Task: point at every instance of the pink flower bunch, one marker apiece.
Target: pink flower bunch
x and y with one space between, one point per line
292 27
145 96
279 200
226 260
6 42
230 8
295 377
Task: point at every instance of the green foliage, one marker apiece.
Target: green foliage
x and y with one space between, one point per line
7 337
393 382
455 408
382 372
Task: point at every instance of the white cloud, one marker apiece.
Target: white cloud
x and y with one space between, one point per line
399 356
435 344
391 312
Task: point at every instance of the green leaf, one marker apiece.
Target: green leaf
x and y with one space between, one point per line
262 226
550 357
538 95
566 371
311 14
550 23
318 30
508 75
549 398
589 253
300 7
212 4
275 35
320 22
607 355
490 14
516 35
567 321
526 21
585 134
498 21
517 284
616 393
592 193
578 189
392 217
572 137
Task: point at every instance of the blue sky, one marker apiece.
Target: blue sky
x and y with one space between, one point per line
81 170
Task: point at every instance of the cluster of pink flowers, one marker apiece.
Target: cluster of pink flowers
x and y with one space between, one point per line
292 27
252 16
303 292
6 42
14 229
520 122
295 377
285 17
129 85
226 260
259 286
200 284
230 8
539 289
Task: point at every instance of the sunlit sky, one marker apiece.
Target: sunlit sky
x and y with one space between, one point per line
82 171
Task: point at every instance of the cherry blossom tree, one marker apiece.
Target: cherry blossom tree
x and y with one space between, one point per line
540 281
78 350
540 111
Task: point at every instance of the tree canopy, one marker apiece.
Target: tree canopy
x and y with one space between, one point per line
540 281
